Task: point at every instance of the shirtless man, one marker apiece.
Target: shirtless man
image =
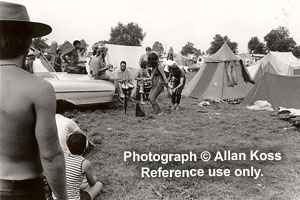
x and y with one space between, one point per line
28 136
74 57
99 65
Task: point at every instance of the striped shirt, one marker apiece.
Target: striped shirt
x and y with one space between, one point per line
74 175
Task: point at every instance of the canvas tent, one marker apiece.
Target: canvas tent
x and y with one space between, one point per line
66 45
212 80
281 63
130 54
278 90
180 60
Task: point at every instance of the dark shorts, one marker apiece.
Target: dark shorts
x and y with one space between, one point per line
84 195
31 189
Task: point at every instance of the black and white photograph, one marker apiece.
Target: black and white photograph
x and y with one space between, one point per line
150 100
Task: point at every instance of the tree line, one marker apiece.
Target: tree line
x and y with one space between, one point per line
132 34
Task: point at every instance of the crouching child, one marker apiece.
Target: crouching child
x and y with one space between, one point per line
82 183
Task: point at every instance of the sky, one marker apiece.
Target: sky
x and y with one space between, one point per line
171 22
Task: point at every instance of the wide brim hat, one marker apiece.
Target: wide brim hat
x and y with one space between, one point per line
15 17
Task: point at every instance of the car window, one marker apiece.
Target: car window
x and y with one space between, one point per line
41 64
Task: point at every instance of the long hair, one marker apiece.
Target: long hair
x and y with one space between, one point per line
153 60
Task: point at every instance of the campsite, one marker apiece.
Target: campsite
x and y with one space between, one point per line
219 126
149 100
225 124
212 128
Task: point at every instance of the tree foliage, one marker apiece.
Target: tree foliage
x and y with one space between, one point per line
190 49
217 43
130 34
40 43
255 46
279 40
158 47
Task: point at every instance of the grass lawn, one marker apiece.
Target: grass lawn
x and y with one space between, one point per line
193 128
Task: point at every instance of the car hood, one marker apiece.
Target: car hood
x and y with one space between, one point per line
64 82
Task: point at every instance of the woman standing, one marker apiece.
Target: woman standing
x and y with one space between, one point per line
159 80
177 77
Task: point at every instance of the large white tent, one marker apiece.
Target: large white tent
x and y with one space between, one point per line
281 63
130 54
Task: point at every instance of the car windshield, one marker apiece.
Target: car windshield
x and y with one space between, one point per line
40 63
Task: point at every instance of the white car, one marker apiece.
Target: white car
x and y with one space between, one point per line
77 89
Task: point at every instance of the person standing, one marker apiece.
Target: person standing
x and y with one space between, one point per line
144 57
72 53
57 61
92 58
82 61
29 142
159 80
177 77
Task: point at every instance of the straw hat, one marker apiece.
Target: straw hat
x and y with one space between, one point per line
16 14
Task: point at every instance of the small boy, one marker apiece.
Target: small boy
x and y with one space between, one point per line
81 181
141 76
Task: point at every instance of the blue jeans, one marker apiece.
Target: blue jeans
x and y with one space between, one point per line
31 189
155 92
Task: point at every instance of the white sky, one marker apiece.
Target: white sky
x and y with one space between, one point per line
171 22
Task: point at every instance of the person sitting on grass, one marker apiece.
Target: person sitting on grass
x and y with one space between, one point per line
141 76
81 181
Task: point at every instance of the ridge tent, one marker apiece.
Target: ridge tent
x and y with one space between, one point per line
278 90
281 63
66 45
222 76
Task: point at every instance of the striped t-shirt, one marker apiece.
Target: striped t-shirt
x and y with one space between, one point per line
74 175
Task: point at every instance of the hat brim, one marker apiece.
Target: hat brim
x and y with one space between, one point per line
35 29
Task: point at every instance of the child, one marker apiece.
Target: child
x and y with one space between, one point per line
79 169
142 76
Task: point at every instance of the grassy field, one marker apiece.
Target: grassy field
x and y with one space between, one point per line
193 128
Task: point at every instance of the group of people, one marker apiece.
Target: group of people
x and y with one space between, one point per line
167 74
161 75
32 143
74 59
30 148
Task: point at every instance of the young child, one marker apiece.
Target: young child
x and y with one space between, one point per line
81 181
142 76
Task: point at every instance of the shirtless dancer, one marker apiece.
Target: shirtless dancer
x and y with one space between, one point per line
28 137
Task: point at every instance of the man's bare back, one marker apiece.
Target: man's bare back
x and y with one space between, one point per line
18 142
29 143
